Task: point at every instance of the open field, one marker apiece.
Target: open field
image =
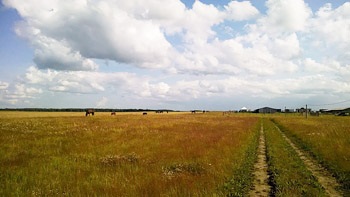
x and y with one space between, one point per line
175 154
326 138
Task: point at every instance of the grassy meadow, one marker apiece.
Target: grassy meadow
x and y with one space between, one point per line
326 138
175 154
288 174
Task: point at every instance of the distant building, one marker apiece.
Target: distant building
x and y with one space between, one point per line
289 110
267 110
243 109
303 110
340 111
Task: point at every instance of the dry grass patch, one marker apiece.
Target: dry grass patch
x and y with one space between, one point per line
128 154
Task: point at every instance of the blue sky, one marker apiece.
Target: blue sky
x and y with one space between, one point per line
183 55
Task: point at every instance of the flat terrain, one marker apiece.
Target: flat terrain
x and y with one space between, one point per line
325 139
323 177
175 154
261 186
172 154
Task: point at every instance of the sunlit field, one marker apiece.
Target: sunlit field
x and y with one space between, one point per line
169 154
327 138
175 154
289 175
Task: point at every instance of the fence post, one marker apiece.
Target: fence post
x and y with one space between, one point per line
306 112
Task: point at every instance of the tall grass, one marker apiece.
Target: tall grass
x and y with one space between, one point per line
326 138
123 155
241 178
288 174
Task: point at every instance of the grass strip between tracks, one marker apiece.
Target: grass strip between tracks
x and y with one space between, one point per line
288 174
325 140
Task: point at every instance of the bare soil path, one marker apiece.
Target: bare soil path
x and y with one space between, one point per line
260 183
323 176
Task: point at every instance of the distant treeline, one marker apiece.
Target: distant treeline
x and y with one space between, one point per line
81 109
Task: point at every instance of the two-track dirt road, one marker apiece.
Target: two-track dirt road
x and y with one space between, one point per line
327 181
261 177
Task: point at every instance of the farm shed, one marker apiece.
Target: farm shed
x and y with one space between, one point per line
340 111
303 110
267 110
289 111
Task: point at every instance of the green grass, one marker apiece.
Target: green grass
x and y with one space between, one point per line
288 174
124 155
327 139
241 181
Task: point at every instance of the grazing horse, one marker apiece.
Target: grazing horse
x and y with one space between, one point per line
90 111
113 114
144 113
193 111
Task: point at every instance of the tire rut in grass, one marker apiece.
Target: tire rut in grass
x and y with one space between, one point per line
323 176
261 177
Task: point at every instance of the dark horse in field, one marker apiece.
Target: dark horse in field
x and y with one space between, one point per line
90 111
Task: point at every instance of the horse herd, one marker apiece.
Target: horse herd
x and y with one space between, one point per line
89 112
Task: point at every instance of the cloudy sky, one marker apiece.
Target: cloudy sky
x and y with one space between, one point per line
183 55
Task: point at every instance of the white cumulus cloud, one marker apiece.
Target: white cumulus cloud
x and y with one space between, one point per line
240 11
286 16
67 35
3 85
169 52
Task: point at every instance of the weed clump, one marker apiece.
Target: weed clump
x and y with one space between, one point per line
115 160
183 168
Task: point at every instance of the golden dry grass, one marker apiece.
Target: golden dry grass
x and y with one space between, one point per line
175 154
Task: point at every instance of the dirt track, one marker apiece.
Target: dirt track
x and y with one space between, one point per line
323 176
260 183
